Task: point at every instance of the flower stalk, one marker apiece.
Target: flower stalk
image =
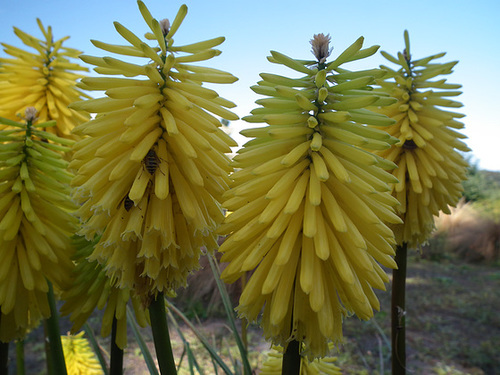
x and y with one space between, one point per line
398 312
161 336
4 357
55 349
291 359
20 367
116 361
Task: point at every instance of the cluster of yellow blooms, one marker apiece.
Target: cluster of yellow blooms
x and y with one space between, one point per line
80 359
44 79
36 223
36 210
322 366
152 166
431 167
309 206
92 289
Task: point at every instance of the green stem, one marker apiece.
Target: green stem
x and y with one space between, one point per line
398 311
56 354
291 359
48 354
161 336
4 357
116 359
20 357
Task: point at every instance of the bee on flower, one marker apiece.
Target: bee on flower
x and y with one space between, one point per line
152 165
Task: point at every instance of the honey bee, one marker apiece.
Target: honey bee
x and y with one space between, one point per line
409 145
151 162
127 203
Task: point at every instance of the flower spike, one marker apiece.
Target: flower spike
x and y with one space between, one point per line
153 169
431 167
308 205
36 222
44 79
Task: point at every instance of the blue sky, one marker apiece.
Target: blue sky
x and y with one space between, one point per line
466 30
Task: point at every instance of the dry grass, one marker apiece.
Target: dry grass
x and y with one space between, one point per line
469 233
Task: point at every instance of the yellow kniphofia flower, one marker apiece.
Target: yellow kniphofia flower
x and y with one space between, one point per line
44 79
92 289
35 223
79 357
431 167
320 366
308 206
152 168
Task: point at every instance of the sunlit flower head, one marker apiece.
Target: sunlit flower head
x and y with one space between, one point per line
322 366
153 168
308 208
79 357
431 167
35 225
44 79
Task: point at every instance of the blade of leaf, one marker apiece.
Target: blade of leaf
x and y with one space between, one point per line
148 358
190 358
213 362
187 347
202 339
181 359
230 314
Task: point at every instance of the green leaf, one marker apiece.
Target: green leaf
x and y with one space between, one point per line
200 337
148 358
230 314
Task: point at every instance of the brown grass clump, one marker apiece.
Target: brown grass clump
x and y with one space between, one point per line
469 233
201 295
